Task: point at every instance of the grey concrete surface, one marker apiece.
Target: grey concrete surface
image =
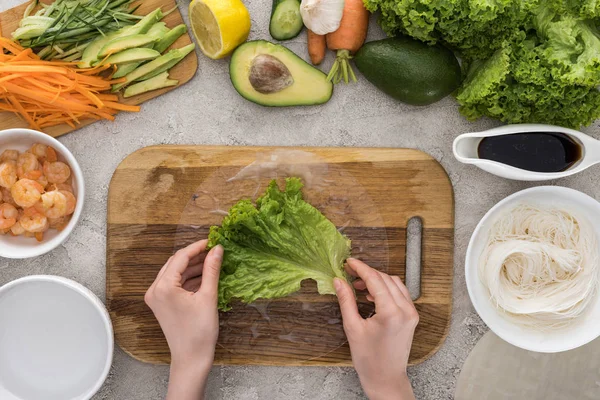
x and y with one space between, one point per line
209 111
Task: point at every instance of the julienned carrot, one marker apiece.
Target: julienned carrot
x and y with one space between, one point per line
349 37
316 47
48 93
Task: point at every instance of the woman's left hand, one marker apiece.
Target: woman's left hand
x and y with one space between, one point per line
184 300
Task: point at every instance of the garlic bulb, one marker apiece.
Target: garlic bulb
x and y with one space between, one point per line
322 16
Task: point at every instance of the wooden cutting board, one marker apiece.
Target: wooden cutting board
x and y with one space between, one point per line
164 197
183 72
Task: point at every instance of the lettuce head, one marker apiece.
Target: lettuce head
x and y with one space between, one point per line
272 247
525 60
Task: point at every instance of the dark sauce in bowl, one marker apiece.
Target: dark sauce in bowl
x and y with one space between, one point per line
534 151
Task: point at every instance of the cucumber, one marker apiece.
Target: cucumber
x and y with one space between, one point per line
286 21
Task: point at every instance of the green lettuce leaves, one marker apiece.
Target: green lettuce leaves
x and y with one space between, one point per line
272 247
526 60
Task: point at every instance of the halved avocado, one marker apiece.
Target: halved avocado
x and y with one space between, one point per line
272 75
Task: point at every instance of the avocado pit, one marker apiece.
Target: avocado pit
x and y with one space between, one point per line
269 75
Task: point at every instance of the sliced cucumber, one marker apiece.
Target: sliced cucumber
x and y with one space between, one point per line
286 21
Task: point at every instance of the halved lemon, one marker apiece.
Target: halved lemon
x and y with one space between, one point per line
219 25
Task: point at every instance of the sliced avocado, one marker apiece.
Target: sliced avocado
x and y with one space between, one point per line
158 30
124 69
90 54
158 64
158 82
126 42
146 23
183 51
134 55
170 38
272 75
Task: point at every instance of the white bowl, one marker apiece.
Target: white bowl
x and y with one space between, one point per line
22 247
56 340
582 330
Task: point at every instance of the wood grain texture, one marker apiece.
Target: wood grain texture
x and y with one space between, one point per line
183 72
162 198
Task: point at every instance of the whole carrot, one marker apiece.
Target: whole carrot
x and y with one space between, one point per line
316 47
349 37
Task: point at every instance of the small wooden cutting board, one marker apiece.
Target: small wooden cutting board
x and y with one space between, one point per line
165 197
183 72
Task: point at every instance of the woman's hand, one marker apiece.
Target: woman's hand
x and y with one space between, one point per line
380 345
184 300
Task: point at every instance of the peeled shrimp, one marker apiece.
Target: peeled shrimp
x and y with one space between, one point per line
55 204
28 166
17 229
57 172
42 180
33 221
62 187
26 192
35 192
8 174
43 153
71 201
7 197
8 216
59 223
9 155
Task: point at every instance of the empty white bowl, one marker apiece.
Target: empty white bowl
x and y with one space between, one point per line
583 329
56 340
22 247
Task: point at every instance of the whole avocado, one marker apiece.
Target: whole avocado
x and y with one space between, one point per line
409 70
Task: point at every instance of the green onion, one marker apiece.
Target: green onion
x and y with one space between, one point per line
65 24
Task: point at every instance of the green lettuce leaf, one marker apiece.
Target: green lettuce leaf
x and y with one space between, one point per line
272 247
527 60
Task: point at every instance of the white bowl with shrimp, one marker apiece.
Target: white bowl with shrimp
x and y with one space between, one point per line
27 247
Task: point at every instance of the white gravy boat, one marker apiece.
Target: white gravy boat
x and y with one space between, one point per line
465 150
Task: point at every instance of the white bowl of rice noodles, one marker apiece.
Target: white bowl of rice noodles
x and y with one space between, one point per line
533 268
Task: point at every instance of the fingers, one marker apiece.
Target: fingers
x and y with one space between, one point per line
211 271
347 301
394 290
182 258
349 269
192 285
378 289
402 288
192 271
359 284
199 259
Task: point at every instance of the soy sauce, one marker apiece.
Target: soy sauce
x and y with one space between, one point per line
536 151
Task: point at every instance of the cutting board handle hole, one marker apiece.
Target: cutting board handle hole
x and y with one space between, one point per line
414 232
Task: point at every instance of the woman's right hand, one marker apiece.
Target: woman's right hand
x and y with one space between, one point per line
380 345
